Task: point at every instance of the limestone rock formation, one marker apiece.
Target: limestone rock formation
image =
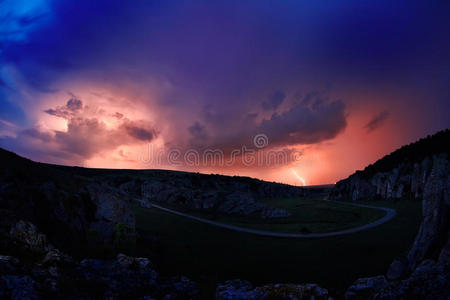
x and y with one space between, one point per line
221 196
114 218
401 174
425 272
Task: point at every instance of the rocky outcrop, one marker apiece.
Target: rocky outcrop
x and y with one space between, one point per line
231 198
406 180
365 288
403 173
60 277
242 290
114 219
425 272
27 234
433 232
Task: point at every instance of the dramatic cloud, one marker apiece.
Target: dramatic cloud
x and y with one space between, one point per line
304 124
274 101
244 68
88 133
377 121
67 111
138 131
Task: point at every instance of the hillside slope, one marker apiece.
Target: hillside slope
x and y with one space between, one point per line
401 174
418 172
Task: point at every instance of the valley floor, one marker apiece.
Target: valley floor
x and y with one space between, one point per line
251 228
210 254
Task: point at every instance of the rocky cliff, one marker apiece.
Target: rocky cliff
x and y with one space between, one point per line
424 272
221 195
401 174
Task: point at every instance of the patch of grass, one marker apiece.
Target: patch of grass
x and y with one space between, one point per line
210 255
307 216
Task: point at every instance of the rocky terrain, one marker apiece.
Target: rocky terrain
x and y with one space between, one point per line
51 215
197 192
231 198
401 174
72 211
424 272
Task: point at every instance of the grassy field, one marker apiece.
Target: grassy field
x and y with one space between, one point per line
307 216
210 255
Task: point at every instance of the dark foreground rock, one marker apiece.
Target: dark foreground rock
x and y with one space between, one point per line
71 210
241 290
59 276
424 273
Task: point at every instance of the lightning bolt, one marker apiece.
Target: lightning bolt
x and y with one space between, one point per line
298 177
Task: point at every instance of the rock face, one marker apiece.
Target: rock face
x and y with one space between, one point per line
114 219
221 195
425 272
433 232
60 277
403 173
406 180
242 290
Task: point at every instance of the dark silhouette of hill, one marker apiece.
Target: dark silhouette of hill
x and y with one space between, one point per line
414 152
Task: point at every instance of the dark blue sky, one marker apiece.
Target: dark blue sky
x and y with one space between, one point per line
214 73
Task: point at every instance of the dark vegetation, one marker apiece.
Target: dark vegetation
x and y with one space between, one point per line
414 152
210 255
54 200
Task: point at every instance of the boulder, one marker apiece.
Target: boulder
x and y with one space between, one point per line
237 290
240 289
429 280
366 288
54 257
114 218
141 263
27 234
397 269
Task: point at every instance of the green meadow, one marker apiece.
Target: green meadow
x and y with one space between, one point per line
209 254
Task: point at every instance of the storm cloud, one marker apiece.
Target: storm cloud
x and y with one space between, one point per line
377 121
210 74
274 100
304 124
87 134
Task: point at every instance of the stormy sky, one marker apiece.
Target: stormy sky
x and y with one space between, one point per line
102 83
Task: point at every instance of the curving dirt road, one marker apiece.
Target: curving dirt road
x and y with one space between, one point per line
390 213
